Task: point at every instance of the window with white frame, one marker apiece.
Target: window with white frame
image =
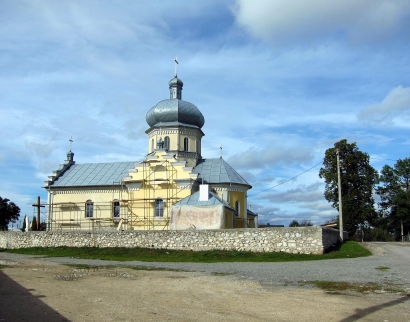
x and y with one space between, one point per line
159 208
116 209
89 209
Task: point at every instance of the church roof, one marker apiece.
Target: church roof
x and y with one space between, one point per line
93 174
175 110
217 171
193 200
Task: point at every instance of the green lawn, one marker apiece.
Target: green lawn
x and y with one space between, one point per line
349 249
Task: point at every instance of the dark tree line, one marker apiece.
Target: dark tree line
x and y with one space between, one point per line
9 212
394 192
359 182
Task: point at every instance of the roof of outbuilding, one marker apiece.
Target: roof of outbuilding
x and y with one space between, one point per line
193 200
93 174
217 171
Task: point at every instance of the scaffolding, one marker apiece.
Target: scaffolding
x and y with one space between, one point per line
143 214
128 209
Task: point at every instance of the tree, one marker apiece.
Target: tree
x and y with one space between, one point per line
394 192
9 212
34 223
294 223
358 179
306 222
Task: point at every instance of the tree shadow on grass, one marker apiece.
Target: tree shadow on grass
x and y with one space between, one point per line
18 304
360 313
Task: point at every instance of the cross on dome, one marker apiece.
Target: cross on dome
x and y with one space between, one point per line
176 65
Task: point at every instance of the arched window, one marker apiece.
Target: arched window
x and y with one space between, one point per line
89 209
159 208
186 144
166 143
116 209
237 208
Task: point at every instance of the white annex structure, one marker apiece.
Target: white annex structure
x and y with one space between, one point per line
174 187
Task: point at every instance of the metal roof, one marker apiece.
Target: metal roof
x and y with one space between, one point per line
102 174
193 200
175 110
217 171
93 174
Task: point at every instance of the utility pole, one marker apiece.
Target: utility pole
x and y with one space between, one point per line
402 232
339 188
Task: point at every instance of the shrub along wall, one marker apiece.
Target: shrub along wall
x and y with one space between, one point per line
303 240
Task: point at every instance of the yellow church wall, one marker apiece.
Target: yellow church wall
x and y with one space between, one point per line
160 177
241 221
229 215
176 137
142 209
68 210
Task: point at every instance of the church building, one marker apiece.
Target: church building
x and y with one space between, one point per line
174 187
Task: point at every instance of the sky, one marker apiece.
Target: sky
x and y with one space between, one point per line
278 82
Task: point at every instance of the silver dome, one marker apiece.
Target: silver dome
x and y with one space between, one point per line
175 82
175 111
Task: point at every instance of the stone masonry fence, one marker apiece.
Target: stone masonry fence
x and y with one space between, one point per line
295 240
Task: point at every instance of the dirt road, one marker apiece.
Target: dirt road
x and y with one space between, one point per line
35 289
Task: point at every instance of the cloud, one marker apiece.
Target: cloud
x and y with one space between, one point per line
394 110
263 158
302 193
366 21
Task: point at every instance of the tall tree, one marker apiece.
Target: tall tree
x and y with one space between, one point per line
34 223
9 212
358 179
394 192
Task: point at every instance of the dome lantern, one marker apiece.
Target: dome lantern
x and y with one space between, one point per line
175 88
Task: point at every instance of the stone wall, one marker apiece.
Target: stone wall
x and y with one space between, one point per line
296 240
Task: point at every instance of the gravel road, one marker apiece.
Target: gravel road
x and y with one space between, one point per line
34 288
390 263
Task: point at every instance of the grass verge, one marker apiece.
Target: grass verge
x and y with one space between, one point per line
349 249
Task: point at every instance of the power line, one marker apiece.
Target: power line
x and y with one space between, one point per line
286 180
256 193
384 159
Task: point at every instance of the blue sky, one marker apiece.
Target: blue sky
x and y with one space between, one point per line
278 82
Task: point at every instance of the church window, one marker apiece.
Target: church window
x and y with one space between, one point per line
89 209
116 209
166 143
159 208
237 208
186 144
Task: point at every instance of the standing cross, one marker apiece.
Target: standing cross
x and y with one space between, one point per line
71 142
